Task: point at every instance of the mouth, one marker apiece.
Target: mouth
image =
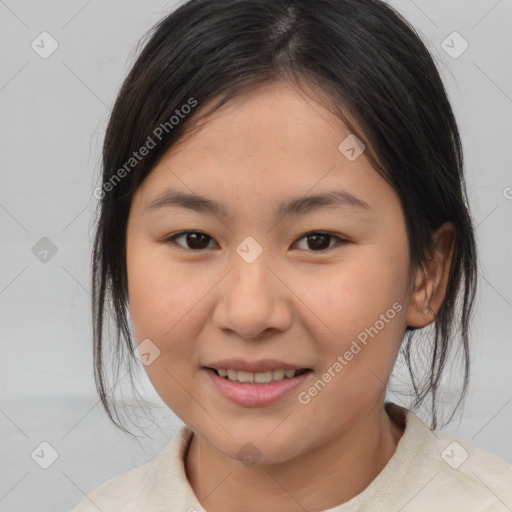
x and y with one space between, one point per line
264 378
256 383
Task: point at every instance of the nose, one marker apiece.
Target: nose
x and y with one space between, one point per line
253 301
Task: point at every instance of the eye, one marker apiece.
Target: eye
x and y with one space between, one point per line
320 240
316 241
194 240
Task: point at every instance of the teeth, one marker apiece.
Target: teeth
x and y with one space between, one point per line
258 378
262 377
279 374
246 377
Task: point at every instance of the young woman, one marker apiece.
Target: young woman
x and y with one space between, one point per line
282 209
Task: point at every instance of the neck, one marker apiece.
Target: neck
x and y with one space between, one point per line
336 472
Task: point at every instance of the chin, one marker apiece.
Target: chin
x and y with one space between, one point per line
252 448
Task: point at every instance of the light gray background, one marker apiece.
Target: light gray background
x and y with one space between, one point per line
53 115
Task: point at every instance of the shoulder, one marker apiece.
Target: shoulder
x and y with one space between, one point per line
130 490
472 471
446 473
119 490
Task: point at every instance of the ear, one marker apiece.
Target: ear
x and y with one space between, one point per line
431 282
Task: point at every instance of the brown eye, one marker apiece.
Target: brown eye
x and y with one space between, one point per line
194 240
317 241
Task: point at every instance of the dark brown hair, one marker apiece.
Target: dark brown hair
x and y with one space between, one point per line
367 64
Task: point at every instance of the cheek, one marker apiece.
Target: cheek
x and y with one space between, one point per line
159 294
355 295
164 307
362 309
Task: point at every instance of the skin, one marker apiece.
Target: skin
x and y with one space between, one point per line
294 303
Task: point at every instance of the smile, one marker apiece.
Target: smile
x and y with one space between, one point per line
256 389
258 377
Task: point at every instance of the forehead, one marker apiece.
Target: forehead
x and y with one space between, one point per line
277 112
265 145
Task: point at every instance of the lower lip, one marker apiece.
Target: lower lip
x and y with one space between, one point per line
256 395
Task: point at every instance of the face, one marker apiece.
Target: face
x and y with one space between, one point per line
266 279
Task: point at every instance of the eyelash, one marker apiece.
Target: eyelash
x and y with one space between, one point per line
172 240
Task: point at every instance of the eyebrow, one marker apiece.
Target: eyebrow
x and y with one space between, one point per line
294 207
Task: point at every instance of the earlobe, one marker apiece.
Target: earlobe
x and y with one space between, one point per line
431 281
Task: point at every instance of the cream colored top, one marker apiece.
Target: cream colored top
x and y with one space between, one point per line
430 471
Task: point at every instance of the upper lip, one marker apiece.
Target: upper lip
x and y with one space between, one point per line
263 365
